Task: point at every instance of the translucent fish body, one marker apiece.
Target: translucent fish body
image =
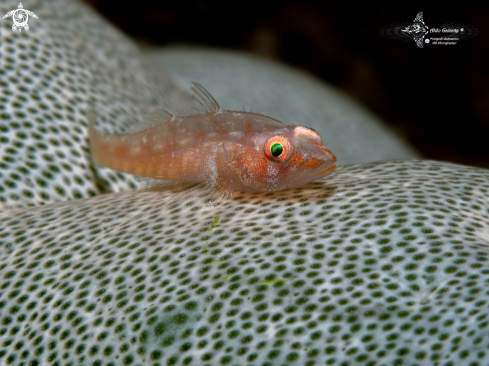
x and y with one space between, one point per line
225 150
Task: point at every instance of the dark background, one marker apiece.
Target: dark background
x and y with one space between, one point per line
436 97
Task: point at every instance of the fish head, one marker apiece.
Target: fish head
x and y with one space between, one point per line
283 159
310 160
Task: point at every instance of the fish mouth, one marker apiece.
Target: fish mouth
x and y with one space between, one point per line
329 164
329 169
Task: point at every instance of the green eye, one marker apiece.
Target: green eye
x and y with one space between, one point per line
276 150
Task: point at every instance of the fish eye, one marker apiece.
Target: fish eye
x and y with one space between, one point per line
278 149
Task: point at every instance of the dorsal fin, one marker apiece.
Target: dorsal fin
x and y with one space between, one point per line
204 99
153 118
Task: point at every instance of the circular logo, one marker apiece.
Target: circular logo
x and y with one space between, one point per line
20 18
427 40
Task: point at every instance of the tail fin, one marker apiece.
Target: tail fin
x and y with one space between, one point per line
92 131
91 120
93 135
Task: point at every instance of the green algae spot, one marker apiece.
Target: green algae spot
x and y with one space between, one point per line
216 221
204 249
271 282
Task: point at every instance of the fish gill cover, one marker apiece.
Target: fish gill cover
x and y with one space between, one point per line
380 264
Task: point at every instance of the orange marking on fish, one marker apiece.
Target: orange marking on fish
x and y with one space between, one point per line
309 164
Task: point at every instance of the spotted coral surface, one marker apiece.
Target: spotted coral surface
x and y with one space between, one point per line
380 264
